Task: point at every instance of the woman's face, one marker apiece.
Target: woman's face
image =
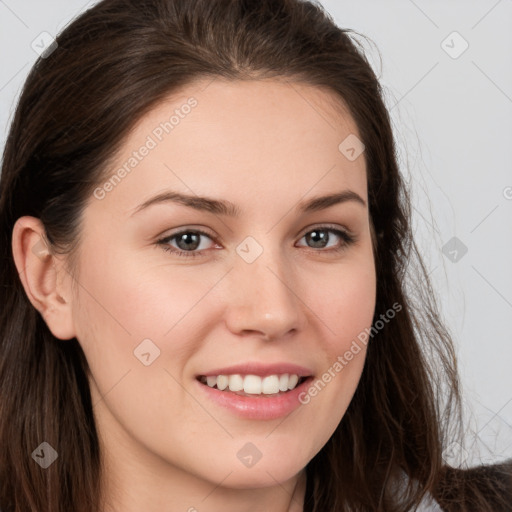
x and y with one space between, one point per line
272 290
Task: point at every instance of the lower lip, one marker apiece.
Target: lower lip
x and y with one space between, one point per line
257 407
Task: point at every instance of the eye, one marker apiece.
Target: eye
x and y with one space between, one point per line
319 238
189 241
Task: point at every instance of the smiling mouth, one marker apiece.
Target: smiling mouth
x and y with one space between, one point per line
253 385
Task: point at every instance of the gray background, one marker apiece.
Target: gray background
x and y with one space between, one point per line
452 117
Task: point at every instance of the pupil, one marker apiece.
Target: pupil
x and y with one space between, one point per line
189 238
319 237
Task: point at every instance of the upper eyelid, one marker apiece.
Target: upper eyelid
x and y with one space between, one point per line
303 232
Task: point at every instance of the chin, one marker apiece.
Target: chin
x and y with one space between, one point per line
257 479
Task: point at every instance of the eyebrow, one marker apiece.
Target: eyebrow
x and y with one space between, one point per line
227 208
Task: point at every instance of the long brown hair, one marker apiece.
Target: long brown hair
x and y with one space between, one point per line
111 66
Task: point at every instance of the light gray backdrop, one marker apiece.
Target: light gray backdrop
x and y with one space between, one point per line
447 71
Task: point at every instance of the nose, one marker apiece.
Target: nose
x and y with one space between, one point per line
262 298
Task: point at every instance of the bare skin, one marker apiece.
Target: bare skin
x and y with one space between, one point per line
266 146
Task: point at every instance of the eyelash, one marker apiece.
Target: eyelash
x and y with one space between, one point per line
347 240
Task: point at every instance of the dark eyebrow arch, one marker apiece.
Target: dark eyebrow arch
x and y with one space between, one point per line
226 208
324 202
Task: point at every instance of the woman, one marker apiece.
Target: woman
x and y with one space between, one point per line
278 363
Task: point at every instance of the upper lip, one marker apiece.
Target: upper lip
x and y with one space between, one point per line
261 369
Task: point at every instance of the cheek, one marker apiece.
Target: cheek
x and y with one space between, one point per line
351 315
352 307
346 308
346 303
136 298
124 300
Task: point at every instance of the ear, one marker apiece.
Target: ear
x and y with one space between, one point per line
41 274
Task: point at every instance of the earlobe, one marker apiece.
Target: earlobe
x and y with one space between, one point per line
38 270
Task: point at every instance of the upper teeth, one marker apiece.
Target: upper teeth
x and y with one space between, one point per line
254 384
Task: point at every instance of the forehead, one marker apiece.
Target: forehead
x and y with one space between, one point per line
270 139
